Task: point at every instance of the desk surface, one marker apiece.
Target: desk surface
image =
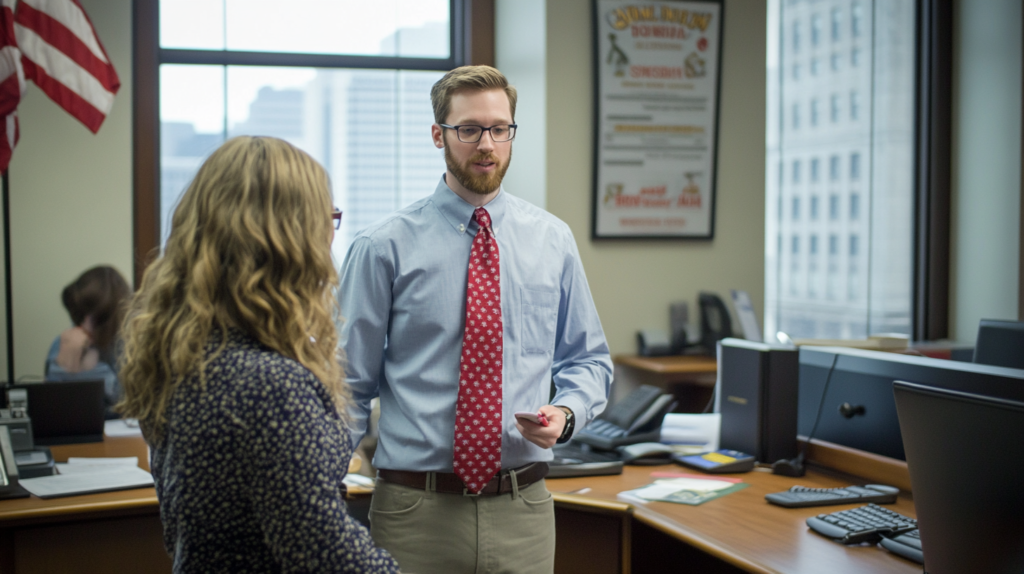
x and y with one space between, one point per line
140 500
670 365
742 528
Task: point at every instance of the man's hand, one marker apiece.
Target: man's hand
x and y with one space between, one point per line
544 436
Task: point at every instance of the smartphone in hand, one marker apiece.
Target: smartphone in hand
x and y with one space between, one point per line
537 418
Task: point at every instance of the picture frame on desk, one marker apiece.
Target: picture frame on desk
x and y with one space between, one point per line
657 84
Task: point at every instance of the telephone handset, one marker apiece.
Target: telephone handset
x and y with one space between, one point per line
8 466
715 322
637 418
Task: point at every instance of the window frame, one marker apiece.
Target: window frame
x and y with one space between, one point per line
472 42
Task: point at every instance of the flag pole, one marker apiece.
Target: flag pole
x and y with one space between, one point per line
7 279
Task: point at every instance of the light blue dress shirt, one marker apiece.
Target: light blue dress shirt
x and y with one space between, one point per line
403 301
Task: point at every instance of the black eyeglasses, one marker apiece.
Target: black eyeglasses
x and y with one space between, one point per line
336 216
472 134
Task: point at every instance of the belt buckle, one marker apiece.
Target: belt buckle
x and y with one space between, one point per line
466 492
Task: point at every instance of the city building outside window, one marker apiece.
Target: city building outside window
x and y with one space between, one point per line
368 124
874 152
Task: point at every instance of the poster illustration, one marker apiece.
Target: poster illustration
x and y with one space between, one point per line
656 131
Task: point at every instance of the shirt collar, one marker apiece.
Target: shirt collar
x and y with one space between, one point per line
458 211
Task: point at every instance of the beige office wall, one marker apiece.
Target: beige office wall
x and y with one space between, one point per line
633 282
71 198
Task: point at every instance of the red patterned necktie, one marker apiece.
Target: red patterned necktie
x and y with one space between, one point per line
478 410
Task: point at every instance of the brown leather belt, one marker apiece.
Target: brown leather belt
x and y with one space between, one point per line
450 483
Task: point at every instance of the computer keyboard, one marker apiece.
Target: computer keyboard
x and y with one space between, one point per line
907 545
800 496
862 524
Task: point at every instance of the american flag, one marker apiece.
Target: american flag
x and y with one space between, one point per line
63 56
12 84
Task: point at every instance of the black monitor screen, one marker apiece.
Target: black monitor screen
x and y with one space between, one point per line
1000 343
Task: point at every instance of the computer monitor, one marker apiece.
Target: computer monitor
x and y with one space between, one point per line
858 410
966 462
66 412
1000 343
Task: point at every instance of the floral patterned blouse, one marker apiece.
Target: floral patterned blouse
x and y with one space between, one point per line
249 471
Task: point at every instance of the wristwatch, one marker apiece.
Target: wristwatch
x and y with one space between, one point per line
570 423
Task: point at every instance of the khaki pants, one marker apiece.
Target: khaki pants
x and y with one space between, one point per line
429 532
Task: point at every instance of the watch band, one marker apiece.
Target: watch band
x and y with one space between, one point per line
570 424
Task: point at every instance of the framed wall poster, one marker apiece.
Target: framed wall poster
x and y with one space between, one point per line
657 79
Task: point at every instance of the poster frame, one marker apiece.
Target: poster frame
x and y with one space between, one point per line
595 233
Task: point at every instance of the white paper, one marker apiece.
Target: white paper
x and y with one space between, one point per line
693 429
116 478
113 460
122 427
358 480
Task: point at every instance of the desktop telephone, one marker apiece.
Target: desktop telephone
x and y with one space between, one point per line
635 419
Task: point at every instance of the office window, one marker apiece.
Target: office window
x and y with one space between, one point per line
834 108
856 19
837 22
796 116
795 36
815 68
796 171
835 59
814 112
870 261
814 208
796 245
796 209
813 246
322 90
796 72
815 29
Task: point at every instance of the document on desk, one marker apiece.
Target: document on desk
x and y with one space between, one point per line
686 490
114 477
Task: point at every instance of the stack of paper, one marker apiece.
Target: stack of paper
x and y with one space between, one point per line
698 430
684 489
89 475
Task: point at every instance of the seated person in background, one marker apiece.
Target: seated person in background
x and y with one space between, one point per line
231 367
89 349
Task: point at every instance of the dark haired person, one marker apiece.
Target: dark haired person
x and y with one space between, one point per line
89 349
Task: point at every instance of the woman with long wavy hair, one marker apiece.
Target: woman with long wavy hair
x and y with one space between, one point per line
230 365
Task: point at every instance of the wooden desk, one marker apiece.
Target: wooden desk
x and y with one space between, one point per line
740 532
691 378
114 532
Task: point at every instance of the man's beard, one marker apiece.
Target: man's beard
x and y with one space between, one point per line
481 184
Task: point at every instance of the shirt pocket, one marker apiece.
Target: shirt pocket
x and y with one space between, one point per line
538 320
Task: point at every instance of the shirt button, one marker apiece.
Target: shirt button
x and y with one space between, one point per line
462 228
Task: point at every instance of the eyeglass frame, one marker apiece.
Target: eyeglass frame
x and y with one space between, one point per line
512 129
336 216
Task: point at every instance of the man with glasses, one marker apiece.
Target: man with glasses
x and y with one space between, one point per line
461 310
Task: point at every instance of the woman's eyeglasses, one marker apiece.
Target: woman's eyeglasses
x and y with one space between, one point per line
336 216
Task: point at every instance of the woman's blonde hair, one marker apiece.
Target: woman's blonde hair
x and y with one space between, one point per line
249 249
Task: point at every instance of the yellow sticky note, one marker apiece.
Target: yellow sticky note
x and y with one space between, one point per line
718 457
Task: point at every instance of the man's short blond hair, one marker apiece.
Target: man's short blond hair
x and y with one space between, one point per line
468 78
